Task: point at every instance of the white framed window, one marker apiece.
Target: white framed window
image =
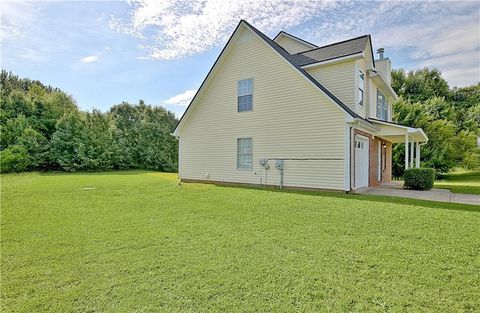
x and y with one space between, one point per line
244 154
382 106
361 84
245 95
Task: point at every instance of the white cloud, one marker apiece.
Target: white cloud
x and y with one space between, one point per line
444 35
95 57
89 59
435 38
447 41
182 99
15 17
32 55
459 69
175 29
424 31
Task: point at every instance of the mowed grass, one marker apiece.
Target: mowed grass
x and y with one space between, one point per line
461 181
138 241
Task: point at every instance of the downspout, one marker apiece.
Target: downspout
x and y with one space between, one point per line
352 157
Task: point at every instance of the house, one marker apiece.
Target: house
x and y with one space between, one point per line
288 113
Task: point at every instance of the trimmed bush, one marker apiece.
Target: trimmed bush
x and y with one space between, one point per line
419 178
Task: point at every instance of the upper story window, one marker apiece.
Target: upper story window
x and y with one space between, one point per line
361 84
382 106
245 95
244 154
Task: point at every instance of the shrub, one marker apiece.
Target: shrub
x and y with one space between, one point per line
14 159
419 178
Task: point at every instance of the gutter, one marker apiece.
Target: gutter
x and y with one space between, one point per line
359 122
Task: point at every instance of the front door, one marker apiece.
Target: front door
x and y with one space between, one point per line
361 161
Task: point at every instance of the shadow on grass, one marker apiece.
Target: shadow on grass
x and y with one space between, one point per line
461 182
372 198
463 176
103 173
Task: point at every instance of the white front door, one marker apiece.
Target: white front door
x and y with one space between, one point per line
361 161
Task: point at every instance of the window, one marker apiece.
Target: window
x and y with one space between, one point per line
361 83
245 95
244 154
382 106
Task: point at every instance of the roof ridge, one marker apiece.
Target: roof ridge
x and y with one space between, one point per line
335 43
296 37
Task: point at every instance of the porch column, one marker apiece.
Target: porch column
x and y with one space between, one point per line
412 145
406 151
417 158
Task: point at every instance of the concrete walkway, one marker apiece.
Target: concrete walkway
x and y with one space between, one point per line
441 195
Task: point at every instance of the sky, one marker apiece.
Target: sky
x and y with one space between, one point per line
106 52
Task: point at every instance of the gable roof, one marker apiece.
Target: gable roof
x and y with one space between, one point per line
283 33
332 51
288 57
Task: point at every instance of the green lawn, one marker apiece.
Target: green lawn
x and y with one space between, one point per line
138 241
461 181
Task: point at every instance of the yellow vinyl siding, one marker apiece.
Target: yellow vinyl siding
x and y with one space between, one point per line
373 100
292 46
290 119
384 67
338 78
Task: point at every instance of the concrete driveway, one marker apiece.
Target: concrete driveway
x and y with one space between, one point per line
395 189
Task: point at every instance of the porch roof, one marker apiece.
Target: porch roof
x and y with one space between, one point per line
396 133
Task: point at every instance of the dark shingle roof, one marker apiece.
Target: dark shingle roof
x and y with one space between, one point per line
332 51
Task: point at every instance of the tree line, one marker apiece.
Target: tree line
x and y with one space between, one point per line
449 116
43 129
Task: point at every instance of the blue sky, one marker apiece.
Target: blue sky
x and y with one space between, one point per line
105 52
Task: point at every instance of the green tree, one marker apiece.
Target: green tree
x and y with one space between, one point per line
450 118
420 85
12 130
42 129
36 146
68 142
100 147
158 147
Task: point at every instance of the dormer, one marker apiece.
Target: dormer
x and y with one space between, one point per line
293 44
341 67
349 70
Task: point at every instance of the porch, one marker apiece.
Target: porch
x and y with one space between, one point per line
413 138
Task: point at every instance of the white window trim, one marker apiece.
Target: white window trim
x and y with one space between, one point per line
359 71
237 154
388 105
253 92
